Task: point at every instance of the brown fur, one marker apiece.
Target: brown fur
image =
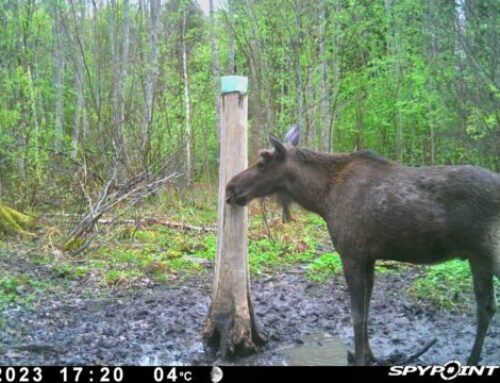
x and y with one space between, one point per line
378 209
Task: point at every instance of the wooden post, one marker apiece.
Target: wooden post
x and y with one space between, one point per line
231 326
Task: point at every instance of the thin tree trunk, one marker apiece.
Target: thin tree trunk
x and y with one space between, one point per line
101 137
394 49
151 75
255 101
75 133
460 57
232 65
324 91
256 109
58 31
434 51
80 123
34 112
336 72
186 102
299 84
359 120
120 63
433 144
123 79
215 67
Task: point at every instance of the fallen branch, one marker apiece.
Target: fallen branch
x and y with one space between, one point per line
144 221
417 355
158 221
396 359
133 191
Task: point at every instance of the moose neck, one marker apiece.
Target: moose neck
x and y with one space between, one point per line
312 179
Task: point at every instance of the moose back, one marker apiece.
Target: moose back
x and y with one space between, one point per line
378 209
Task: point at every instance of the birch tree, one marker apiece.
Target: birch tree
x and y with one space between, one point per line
59 62
151 74
187 104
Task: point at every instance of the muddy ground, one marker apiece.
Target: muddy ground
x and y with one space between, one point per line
158 324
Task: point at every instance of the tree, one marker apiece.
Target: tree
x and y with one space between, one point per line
151 74
187 103
58 32
215 66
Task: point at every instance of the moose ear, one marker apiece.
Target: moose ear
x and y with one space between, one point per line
293 135
278 146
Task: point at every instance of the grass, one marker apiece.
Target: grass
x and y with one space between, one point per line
20 288
445 285
323 267
124 256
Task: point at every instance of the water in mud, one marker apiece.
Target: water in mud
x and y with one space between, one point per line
163 324
320 349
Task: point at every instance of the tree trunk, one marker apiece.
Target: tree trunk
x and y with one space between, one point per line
187 104
58 32
215 67
299 83
80 123
231 324
255 101
232 65
324 103
102 138
120 63
34 112
151 74
394 48
79 107
336 72
359 119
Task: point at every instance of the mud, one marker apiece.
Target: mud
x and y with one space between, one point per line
158 324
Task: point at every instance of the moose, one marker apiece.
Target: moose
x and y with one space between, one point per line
376 209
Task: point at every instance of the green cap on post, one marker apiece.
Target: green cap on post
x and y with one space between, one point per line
234 84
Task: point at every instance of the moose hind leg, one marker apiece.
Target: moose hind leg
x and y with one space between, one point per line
370 274
486 306
359 278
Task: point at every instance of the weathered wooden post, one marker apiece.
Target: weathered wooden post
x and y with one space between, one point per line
231 325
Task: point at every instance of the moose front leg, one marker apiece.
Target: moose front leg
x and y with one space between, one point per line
284 201
359 276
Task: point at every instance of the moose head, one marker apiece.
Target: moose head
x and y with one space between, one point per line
269 175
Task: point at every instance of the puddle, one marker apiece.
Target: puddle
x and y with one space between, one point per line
319 349
169 358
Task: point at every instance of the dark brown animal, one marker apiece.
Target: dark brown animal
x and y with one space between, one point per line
377 209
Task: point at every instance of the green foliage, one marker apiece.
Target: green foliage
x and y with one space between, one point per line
19 288
324 267
398 78
445 285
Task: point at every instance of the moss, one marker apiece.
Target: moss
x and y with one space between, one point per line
14 222
73 243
